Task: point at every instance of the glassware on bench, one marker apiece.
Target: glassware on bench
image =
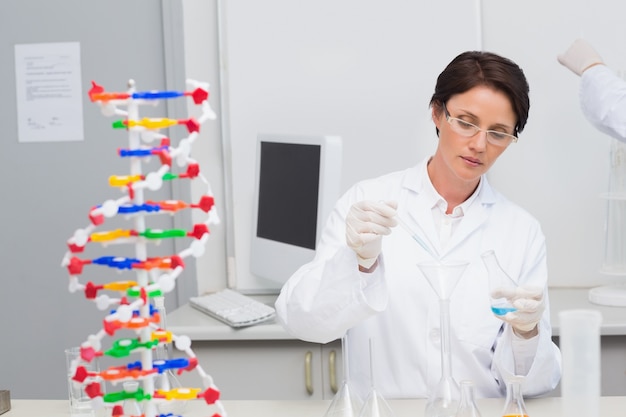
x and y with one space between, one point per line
375 404
467 405
500 284
443 278
514 405
345 403
167 380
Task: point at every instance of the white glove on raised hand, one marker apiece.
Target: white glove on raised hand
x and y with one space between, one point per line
579 56
366 223
530 305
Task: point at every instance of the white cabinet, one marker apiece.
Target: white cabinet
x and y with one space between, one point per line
613 365
269 369
296 370
263 362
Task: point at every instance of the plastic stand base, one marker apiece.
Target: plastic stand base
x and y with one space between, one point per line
609 295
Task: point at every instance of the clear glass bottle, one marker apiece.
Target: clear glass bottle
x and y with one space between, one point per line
467 405
514 405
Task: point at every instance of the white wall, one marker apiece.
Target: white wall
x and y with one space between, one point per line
365 70
351 68
559 167
202 63
49 187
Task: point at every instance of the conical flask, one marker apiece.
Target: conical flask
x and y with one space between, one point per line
345 403
501 285
167 380
375 404
514 405
467 405
443 277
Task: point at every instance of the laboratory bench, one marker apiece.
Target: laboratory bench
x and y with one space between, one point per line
264 362
549 406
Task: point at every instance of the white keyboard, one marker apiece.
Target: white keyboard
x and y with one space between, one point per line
233 308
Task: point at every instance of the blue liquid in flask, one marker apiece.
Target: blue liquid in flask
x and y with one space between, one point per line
501 310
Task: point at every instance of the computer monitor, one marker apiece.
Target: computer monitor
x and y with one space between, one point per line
296 186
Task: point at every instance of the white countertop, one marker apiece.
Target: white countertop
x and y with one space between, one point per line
613 318
552 406
188 321
199 326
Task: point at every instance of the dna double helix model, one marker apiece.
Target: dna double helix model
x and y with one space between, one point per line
132 330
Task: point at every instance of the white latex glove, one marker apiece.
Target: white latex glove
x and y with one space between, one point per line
530 304
366 224
579 56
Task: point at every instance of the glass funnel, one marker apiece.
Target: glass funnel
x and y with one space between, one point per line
500 285
345 403
443 278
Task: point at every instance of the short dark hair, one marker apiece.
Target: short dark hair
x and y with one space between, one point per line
478 68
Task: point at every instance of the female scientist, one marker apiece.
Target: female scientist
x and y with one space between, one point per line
602 92
372 288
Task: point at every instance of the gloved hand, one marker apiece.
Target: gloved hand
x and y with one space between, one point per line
579 56
366 223
530 305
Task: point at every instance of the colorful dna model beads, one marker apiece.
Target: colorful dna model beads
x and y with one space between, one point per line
133 329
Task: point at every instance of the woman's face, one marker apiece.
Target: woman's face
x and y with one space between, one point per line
465 158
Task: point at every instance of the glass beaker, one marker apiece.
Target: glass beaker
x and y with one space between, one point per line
579 340
443 278
514 405
166 380
131 406
500 285
467 405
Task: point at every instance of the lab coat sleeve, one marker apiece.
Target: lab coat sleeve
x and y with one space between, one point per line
603 101
327 296
538 359
539 355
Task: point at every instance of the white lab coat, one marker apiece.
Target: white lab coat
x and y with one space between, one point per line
398 311
603 100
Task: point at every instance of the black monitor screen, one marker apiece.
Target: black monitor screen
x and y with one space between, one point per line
288 193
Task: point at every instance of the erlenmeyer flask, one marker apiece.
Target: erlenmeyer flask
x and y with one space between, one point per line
500 284
375 404
345 403
514 405
167 380
467 405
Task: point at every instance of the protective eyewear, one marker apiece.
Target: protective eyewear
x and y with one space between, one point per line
467 129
